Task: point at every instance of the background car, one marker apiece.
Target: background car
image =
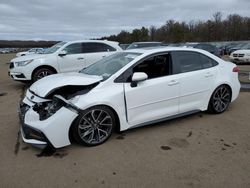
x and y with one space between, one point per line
204 46
135 45
245 47
4 51
31 51
128 89
63 57
236 47
221 47
124 46
240 56
176 44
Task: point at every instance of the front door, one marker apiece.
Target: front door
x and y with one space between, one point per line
156 97
74 60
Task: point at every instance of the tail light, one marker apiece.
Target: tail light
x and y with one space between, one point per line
236 69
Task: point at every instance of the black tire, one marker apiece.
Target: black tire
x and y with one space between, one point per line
93 126
42 72
220 100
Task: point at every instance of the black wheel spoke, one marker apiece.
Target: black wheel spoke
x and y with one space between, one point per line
104 132
42 73
98 117
221 99
86 133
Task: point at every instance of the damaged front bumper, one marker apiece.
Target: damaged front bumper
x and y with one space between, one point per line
53 131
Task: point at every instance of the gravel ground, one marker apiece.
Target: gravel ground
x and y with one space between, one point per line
200 150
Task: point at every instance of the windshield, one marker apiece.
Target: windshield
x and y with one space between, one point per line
110 65
54 48
32 50
246 46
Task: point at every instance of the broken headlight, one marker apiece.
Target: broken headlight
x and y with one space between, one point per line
47 109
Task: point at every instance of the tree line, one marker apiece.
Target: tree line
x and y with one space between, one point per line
233 28
26 44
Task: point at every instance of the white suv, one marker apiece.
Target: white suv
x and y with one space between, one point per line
240 56
62 57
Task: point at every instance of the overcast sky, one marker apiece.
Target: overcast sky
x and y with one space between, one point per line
84 19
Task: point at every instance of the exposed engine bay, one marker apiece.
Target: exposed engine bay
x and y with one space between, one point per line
58 98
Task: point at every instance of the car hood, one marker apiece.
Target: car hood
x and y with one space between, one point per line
241 52
28 57
49 84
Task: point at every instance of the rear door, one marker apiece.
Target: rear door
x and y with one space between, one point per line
197 73
94 51
156 97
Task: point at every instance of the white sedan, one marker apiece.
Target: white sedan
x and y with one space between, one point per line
126 90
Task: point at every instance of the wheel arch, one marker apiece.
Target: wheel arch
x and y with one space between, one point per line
117 119
223 84
117 127
218 85
43 66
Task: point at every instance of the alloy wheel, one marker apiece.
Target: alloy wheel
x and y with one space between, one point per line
43 74
95 126
221 99
40 73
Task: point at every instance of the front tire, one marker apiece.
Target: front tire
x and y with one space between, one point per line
42 72
220 100
94 126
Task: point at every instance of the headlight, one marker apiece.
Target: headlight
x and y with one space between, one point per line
23 63
47 109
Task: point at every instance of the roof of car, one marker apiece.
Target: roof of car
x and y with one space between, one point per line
150 50
103 41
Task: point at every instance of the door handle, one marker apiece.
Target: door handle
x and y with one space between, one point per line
208 74
173 82
80 58
103 56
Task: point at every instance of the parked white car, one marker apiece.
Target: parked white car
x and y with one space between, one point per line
4 51
62 57
31 51
125 90
240 56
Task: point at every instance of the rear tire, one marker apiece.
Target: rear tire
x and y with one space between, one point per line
220 100
93 126
42 72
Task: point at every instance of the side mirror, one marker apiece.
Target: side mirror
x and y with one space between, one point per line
138 77
62 53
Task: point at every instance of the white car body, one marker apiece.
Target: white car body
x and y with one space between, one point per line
240 56
29 52
22 68
150 101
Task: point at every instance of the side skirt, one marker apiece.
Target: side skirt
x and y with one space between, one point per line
165 119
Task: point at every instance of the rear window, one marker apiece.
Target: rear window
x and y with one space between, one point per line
184 61
93 47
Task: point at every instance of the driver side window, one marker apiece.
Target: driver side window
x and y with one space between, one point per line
154 67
